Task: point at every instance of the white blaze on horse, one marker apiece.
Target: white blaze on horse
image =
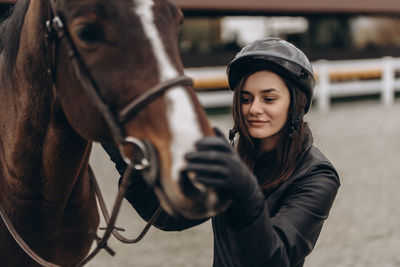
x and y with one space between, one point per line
77 71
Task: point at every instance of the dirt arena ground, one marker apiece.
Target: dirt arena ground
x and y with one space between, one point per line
362 140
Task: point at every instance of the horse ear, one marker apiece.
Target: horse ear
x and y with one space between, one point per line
176 12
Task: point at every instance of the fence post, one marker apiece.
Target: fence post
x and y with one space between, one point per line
323 86
388 77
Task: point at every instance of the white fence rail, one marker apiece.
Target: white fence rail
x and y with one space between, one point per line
358 77
334 79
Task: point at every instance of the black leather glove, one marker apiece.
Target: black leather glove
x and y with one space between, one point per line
217 165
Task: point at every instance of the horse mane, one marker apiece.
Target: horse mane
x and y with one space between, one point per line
10 31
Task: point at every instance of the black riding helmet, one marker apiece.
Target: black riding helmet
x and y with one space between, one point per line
277 55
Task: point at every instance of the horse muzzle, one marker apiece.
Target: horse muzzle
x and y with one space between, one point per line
185 198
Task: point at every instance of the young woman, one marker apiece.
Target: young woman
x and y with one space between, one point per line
282 187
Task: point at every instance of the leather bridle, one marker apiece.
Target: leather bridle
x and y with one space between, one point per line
145 166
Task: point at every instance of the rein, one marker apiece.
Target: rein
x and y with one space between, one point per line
146 166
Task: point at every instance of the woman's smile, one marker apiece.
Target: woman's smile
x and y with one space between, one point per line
256 122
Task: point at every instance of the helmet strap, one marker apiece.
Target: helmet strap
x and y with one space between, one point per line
295 120
232 133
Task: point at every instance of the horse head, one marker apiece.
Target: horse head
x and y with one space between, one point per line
128 53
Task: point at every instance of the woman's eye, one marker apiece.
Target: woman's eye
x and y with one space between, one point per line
91 34
269 99
245 100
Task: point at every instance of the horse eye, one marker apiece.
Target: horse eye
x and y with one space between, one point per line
91 33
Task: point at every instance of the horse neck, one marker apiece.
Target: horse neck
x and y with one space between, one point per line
44 161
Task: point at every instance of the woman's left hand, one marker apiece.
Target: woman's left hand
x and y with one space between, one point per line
217 165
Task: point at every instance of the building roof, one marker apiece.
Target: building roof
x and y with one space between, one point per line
232 7
290 6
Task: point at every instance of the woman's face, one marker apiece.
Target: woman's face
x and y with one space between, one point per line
265 101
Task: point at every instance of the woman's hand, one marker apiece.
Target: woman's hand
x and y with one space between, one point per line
215 164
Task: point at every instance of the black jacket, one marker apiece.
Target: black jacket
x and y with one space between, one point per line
285 232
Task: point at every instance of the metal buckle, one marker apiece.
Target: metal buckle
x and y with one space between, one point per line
58 22
144 161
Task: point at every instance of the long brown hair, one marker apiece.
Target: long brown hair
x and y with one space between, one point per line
289 149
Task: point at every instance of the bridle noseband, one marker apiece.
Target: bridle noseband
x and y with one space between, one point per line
146 165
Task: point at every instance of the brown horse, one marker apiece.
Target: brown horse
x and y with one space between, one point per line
127 47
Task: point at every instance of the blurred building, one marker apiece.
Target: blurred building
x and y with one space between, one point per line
214 31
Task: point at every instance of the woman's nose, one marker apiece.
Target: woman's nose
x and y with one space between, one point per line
256 107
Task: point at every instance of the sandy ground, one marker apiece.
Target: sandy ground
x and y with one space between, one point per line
362 140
